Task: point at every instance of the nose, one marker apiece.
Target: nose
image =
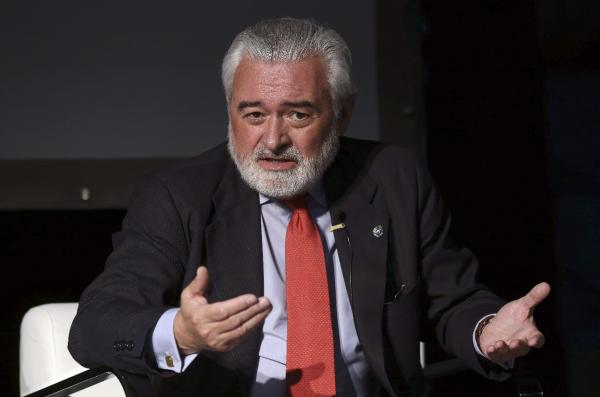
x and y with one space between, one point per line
276 136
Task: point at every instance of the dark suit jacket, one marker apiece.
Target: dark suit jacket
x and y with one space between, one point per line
200 212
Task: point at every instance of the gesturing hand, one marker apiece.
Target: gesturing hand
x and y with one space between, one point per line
512 332
216 326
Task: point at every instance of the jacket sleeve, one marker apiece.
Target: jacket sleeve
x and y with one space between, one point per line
141 280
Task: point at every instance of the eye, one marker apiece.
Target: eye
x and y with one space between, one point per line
299 119
299 116
254 117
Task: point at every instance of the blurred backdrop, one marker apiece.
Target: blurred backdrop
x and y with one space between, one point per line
501 97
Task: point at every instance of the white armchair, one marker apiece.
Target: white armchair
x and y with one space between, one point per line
44 358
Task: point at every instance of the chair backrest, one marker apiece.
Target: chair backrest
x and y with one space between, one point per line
43 355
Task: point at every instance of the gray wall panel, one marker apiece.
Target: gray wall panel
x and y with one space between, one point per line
98 80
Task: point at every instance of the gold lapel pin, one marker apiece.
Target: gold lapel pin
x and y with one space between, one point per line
333 228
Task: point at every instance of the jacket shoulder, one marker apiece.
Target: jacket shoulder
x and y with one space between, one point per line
380 158
188 183
207 166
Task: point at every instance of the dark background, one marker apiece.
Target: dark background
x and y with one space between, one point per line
502 97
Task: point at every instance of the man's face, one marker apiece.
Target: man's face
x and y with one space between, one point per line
282 126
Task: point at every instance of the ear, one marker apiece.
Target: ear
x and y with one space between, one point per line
345 114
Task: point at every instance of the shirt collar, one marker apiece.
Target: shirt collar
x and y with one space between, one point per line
316 194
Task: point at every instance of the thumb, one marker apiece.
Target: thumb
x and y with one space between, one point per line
536 295
198 285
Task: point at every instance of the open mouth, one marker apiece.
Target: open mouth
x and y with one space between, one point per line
276 164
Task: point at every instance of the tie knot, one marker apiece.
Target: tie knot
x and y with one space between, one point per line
297 203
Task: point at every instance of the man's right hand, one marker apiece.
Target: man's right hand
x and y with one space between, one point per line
216 326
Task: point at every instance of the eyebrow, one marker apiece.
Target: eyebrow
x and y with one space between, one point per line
245 104
300 104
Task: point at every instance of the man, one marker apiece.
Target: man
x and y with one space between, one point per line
293 260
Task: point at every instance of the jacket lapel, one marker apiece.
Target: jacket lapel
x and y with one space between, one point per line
234 258
362 248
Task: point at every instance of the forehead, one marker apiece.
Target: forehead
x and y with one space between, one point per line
257 80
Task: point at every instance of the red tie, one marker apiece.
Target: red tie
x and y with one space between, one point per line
310 367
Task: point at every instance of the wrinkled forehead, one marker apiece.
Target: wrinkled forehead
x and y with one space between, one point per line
255 79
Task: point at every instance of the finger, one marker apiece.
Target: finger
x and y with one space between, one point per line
536 295
497 351
536 340
198 286
220 311
517 348
231 338
238 320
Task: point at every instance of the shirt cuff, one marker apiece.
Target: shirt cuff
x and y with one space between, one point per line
507 364
165 348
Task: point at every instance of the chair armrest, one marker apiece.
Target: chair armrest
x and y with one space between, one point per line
83 384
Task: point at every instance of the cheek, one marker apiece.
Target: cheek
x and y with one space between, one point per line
244 139
310 143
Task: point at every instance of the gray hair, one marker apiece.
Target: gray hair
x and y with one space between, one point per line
292 40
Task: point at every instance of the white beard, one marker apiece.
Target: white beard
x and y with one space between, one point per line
285 183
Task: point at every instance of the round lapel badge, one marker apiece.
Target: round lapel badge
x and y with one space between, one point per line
378 231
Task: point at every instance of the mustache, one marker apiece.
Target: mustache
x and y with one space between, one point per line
288 153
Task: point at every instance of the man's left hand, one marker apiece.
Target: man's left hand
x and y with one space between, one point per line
512 332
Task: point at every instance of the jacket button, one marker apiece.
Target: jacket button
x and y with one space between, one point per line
130 345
